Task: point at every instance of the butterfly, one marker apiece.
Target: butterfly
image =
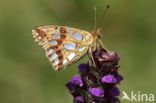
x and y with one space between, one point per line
65 45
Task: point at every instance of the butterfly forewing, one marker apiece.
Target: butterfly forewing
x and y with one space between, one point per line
63 45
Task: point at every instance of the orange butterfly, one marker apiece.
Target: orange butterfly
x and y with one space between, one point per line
64 45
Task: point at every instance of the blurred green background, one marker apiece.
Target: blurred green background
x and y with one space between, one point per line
26 75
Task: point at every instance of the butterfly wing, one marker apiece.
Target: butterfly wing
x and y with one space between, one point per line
63 45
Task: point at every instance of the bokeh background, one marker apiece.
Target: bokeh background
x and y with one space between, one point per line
26 75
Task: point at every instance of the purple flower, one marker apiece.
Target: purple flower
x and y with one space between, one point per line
95 102
114 100
77 80
92 77
97 92
70 86
97 83
108 79
110 56
98 101
83 68
114 91
119 78
79 99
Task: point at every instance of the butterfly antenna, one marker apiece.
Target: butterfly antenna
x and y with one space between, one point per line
95 17
103 15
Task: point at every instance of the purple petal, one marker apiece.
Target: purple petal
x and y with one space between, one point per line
108 79
83 68
110 56
77 80
79 99
97 92
97 101
119 78
114 100
70 86
114 91
92 77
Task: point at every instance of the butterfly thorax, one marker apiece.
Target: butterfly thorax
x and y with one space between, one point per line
96 36
97 33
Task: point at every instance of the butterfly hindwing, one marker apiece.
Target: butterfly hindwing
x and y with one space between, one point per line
63 45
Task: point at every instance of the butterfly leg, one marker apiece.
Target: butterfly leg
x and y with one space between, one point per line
91 54
102 44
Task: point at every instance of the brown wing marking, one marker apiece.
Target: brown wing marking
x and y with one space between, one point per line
41 34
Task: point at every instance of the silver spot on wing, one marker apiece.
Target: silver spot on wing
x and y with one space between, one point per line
71 56
45 30
77 36
64 61
56 61
54 55
53 42
36 34
81 49
56 36
87 37
70 46
69 32
50 51
39 38
58 32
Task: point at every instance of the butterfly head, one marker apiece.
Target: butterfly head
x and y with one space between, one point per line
97 33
